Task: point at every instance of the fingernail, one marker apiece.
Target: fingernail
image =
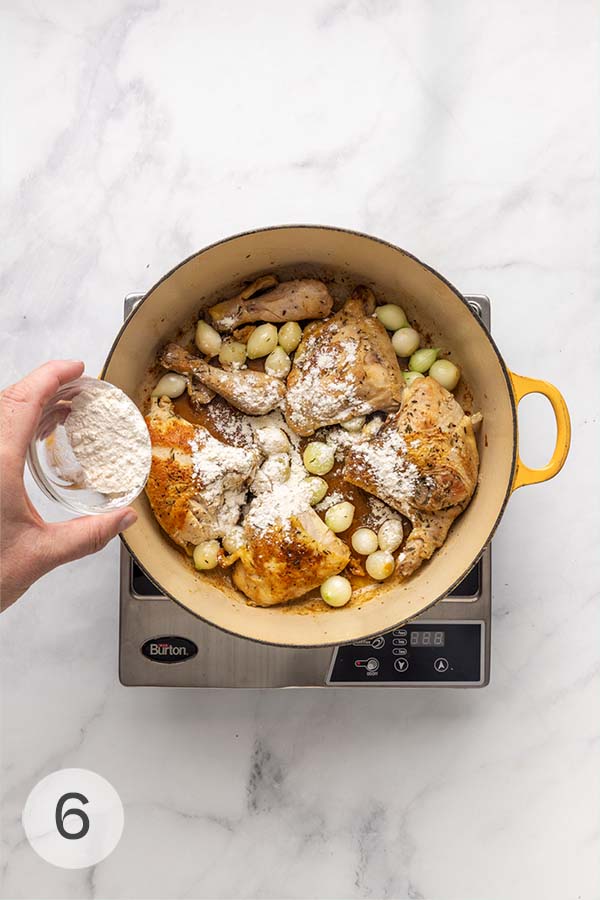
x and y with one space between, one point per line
128 519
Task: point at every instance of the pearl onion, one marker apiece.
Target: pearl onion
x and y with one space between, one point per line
355 424
373 427
290 336
336 590
406 341
170 385
278 363
390 535
272 439
277 467
410 377
364 541
206 555
232 353
262 341
422 360
208 341
234 539
318 458
391 316
317 487
274 470
380 565
445 373
339 517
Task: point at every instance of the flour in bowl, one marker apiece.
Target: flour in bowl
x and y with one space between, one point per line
104 444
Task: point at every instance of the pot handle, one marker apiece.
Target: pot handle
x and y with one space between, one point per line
521 387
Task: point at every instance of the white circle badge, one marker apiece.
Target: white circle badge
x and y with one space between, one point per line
73 818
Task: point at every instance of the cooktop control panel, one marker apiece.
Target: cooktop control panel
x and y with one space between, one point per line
429 653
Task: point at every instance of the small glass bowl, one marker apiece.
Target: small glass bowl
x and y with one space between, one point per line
50 448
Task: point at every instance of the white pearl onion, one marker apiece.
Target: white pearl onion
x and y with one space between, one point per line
278 363
262 341
355 424
272 439
208 341
170 385
336 590
339 517
318 458
410 377
391 316
317 487
390 535
423 359
372 427
290 336
206 555
277 467
234 539
364 541
405 341
232 353
445 373
380 565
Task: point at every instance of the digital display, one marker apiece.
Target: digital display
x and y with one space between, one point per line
427 638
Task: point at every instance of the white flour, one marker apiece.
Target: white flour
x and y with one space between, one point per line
110 444
222 474
387 466
329 500
282 499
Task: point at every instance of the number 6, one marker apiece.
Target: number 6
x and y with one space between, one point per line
60 817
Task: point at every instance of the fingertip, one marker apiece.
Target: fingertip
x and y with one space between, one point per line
128 519
76 365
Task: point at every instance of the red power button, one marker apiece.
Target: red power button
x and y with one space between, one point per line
371 665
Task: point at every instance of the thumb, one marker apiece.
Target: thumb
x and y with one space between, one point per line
88 534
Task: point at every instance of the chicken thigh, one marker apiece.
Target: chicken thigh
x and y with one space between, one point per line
344 367
255 393
424 463
197 484
286 560
291 301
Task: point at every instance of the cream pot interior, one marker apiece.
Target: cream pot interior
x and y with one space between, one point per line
438 309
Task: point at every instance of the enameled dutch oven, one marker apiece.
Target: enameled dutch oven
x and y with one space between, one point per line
441 311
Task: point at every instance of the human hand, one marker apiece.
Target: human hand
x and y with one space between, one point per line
30 547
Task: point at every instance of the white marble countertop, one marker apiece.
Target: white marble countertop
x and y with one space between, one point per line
466 132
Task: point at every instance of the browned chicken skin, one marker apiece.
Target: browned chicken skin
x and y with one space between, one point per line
255 393
194 507
291 301
287 560
424 463
344 367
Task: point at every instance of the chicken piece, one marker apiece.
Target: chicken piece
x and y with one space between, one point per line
344 367
291 301
424 463
255 393
197 484
198 393
286 560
